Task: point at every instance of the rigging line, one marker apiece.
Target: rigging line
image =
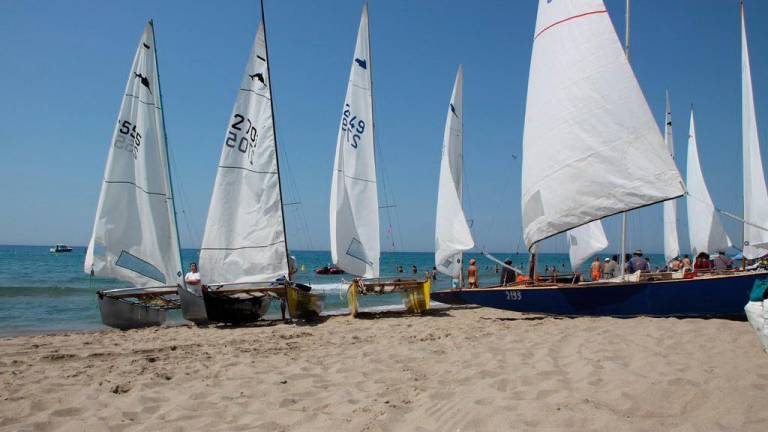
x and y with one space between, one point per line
498 261
298 210
291 191
727 213
507 184
467 195
183 200
389 203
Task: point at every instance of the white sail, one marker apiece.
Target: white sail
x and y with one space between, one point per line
671 244
591 147
755 195
354 209
704 227
585 241
452 235
244 237
134 235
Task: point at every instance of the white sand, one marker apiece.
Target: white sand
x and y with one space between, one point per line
463 369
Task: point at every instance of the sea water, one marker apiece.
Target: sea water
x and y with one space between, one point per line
42 291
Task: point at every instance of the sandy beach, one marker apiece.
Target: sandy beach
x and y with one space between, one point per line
454 370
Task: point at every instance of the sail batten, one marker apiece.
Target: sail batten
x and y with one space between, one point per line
452 234
134 233
705 229
354 205
244 238
591 147
755 194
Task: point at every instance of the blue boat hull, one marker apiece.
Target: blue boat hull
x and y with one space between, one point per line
708 296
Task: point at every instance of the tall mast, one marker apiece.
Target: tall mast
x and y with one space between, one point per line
277 157
622 257
167 159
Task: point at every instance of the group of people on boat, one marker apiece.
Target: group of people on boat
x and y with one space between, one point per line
637 262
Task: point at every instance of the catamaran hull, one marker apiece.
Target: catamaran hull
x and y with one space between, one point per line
234 310
193 307
126 315
708 296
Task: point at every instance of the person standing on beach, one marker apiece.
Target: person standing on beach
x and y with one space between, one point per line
472 274
192 278
596 269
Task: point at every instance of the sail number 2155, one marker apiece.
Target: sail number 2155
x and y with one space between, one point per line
352 127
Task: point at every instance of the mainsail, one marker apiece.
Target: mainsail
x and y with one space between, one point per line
585 241
244 237
134 235
452 235
755 195
591 147
704 227
354 209
671 245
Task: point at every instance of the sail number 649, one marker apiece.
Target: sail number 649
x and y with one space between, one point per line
352 127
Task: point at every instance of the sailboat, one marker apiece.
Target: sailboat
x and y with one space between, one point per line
755 194
704 226
354 203
588 128
452 234
244 258
134 235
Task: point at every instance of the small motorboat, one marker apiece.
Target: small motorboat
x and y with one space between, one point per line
332 270
61 248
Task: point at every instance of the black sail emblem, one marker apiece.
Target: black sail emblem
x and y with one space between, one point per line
144 81
258 76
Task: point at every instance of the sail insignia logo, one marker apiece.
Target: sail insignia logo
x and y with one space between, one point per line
362 63
143 80
453 110
258 76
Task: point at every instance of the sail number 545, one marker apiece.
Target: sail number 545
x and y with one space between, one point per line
514 295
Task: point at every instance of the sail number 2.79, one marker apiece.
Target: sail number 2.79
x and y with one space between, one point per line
242 136
352 127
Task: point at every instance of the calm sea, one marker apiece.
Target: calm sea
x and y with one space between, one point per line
42 292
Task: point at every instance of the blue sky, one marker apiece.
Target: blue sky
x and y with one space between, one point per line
65 64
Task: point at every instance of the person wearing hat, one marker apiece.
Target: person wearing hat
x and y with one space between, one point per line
472 274
638 263
610 267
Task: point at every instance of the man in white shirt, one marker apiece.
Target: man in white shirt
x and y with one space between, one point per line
193 277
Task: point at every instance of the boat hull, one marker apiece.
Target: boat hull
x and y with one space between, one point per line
193 306
707 296
126 315
302 303
234 310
